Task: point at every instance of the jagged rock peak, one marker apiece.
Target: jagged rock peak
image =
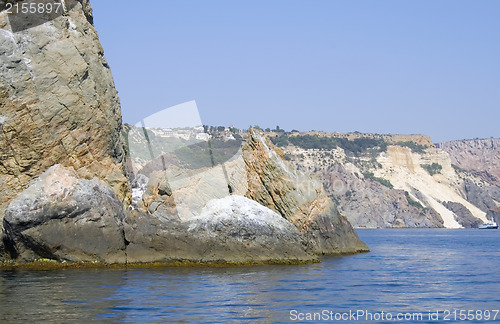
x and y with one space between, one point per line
298 197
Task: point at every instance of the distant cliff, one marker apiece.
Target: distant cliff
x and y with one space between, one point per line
401 180
478 162
479 156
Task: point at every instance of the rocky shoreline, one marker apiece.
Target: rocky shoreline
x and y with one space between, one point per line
66 190
48 264
64 218
70 198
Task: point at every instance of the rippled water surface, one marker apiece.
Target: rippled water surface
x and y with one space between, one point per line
408 271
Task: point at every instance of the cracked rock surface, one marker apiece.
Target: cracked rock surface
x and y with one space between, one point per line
58 104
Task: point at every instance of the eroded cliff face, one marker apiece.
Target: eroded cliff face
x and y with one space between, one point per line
58 104
478 163
479 156
409 184
370 204
442 191
365 200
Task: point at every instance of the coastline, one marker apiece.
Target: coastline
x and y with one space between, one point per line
48 264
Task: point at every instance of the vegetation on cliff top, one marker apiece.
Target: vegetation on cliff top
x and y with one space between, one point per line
414 147
307 142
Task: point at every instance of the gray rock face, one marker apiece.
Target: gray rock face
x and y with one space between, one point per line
58 104
231 229
479 156
369 204
465 217
64 218
483 197
494 214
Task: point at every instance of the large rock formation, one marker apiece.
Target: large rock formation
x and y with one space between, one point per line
257 172
227 230
58 104
63 183
298 197
64 218
411 183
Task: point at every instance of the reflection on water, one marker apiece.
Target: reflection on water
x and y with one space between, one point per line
407 271
56 296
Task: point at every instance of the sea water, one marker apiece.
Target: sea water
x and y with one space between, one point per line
411 276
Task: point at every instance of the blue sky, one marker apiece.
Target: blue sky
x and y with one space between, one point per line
426 66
